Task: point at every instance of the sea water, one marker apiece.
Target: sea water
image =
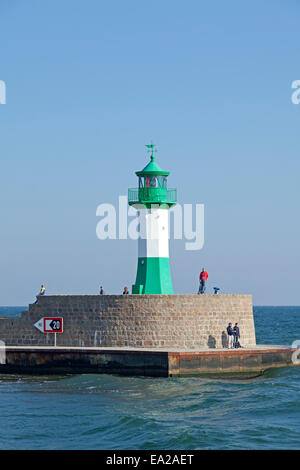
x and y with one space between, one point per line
111 412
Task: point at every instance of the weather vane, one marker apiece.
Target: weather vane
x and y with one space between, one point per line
151 148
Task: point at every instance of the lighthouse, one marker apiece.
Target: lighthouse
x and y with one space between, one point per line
153 199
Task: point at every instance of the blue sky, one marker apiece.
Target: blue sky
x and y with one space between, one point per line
90 82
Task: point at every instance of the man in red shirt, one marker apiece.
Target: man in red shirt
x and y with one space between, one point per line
203 279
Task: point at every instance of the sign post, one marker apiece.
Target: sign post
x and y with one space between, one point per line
50 325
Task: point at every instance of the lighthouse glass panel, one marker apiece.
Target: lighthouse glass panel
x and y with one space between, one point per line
154 182
162 181
151 182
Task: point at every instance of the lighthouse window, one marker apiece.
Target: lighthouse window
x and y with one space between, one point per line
154 182
151 182
162 181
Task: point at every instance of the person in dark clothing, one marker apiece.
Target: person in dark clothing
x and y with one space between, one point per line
230 335
125 292
236 335
101 290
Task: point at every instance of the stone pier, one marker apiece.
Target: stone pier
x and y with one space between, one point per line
186 322
150 335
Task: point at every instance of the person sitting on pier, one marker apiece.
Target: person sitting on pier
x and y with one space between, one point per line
230 336
42 292
125 292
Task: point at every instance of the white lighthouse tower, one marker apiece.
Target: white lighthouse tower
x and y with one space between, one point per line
153 199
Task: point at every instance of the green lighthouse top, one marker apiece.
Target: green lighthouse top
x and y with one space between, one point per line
152 186
152 168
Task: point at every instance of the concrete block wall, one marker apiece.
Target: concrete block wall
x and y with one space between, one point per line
142 321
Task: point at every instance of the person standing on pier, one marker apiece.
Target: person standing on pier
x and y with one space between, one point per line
203 278
230 336
236 333
101 290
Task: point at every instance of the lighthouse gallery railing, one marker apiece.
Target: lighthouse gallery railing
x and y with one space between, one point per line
155 195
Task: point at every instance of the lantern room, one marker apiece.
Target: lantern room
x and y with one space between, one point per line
152 185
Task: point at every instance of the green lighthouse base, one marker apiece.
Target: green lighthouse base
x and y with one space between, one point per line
153 277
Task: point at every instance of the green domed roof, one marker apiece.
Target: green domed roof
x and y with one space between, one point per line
152 168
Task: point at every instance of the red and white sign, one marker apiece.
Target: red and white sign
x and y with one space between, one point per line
53 324
50 325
